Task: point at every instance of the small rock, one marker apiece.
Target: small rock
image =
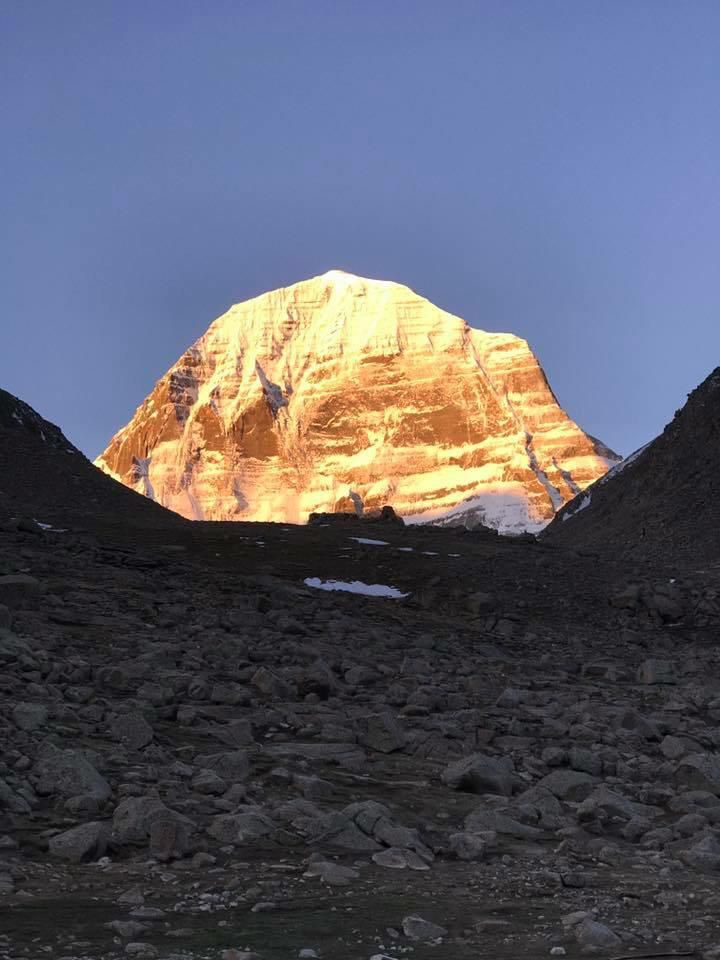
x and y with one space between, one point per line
656 671
418 929
590 933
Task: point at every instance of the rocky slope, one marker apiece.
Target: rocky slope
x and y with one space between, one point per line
205 754
662 504
203 758
44 478
339 385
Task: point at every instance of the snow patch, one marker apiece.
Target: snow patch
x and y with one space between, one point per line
373 543
356 586
585 502
49 526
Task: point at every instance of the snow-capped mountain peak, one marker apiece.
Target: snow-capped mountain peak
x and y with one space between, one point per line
340 383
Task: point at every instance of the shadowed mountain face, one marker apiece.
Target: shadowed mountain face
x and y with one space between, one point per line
44 477
663 502
339 385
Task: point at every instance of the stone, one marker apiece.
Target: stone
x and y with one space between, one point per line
132 729
398 858
480 602
271 684
416 928
208 782
381 732
86 842
468 845
703 855
590 933
480 774
134 817
700 771
127 929
19 590
30 716
232 767
334 874
239 827
656 671
568 784
169 838
141 951
68 773
499 822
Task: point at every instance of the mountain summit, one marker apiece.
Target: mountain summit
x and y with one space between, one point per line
340 390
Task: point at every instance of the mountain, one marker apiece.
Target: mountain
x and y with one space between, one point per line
340 389
663 502
44 478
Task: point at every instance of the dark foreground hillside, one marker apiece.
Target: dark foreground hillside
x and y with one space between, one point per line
202 757
44 477
663 505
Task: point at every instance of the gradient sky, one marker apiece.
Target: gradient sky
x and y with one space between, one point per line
545 168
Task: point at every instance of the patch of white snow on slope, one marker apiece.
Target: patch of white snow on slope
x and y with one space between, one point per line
49 526
374 543
356 586
585 502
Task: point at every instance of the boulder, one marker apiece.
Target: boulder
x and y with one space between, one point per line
480 774
68 773
19 590
381 732
416 928
86 842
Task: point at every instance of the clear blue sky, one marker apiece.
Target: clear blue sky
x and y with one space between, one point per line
550 168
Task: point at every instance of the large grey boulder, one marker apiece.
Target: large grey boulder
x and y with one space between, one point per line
233 766
135 817
596 935
502 823
568 784
68 773
86 842
700 771
240 827
132 729
29 716
416 928
381 732
480 774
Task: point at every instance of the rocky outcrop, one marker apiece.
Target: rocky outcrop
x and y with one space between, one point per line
340 390
45 481
663 502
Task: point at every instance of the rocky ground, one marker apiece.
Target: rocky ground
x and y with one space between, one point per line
201 757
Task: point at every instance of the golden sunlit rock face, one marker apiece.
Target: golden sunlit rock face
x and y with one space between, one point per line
294 400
